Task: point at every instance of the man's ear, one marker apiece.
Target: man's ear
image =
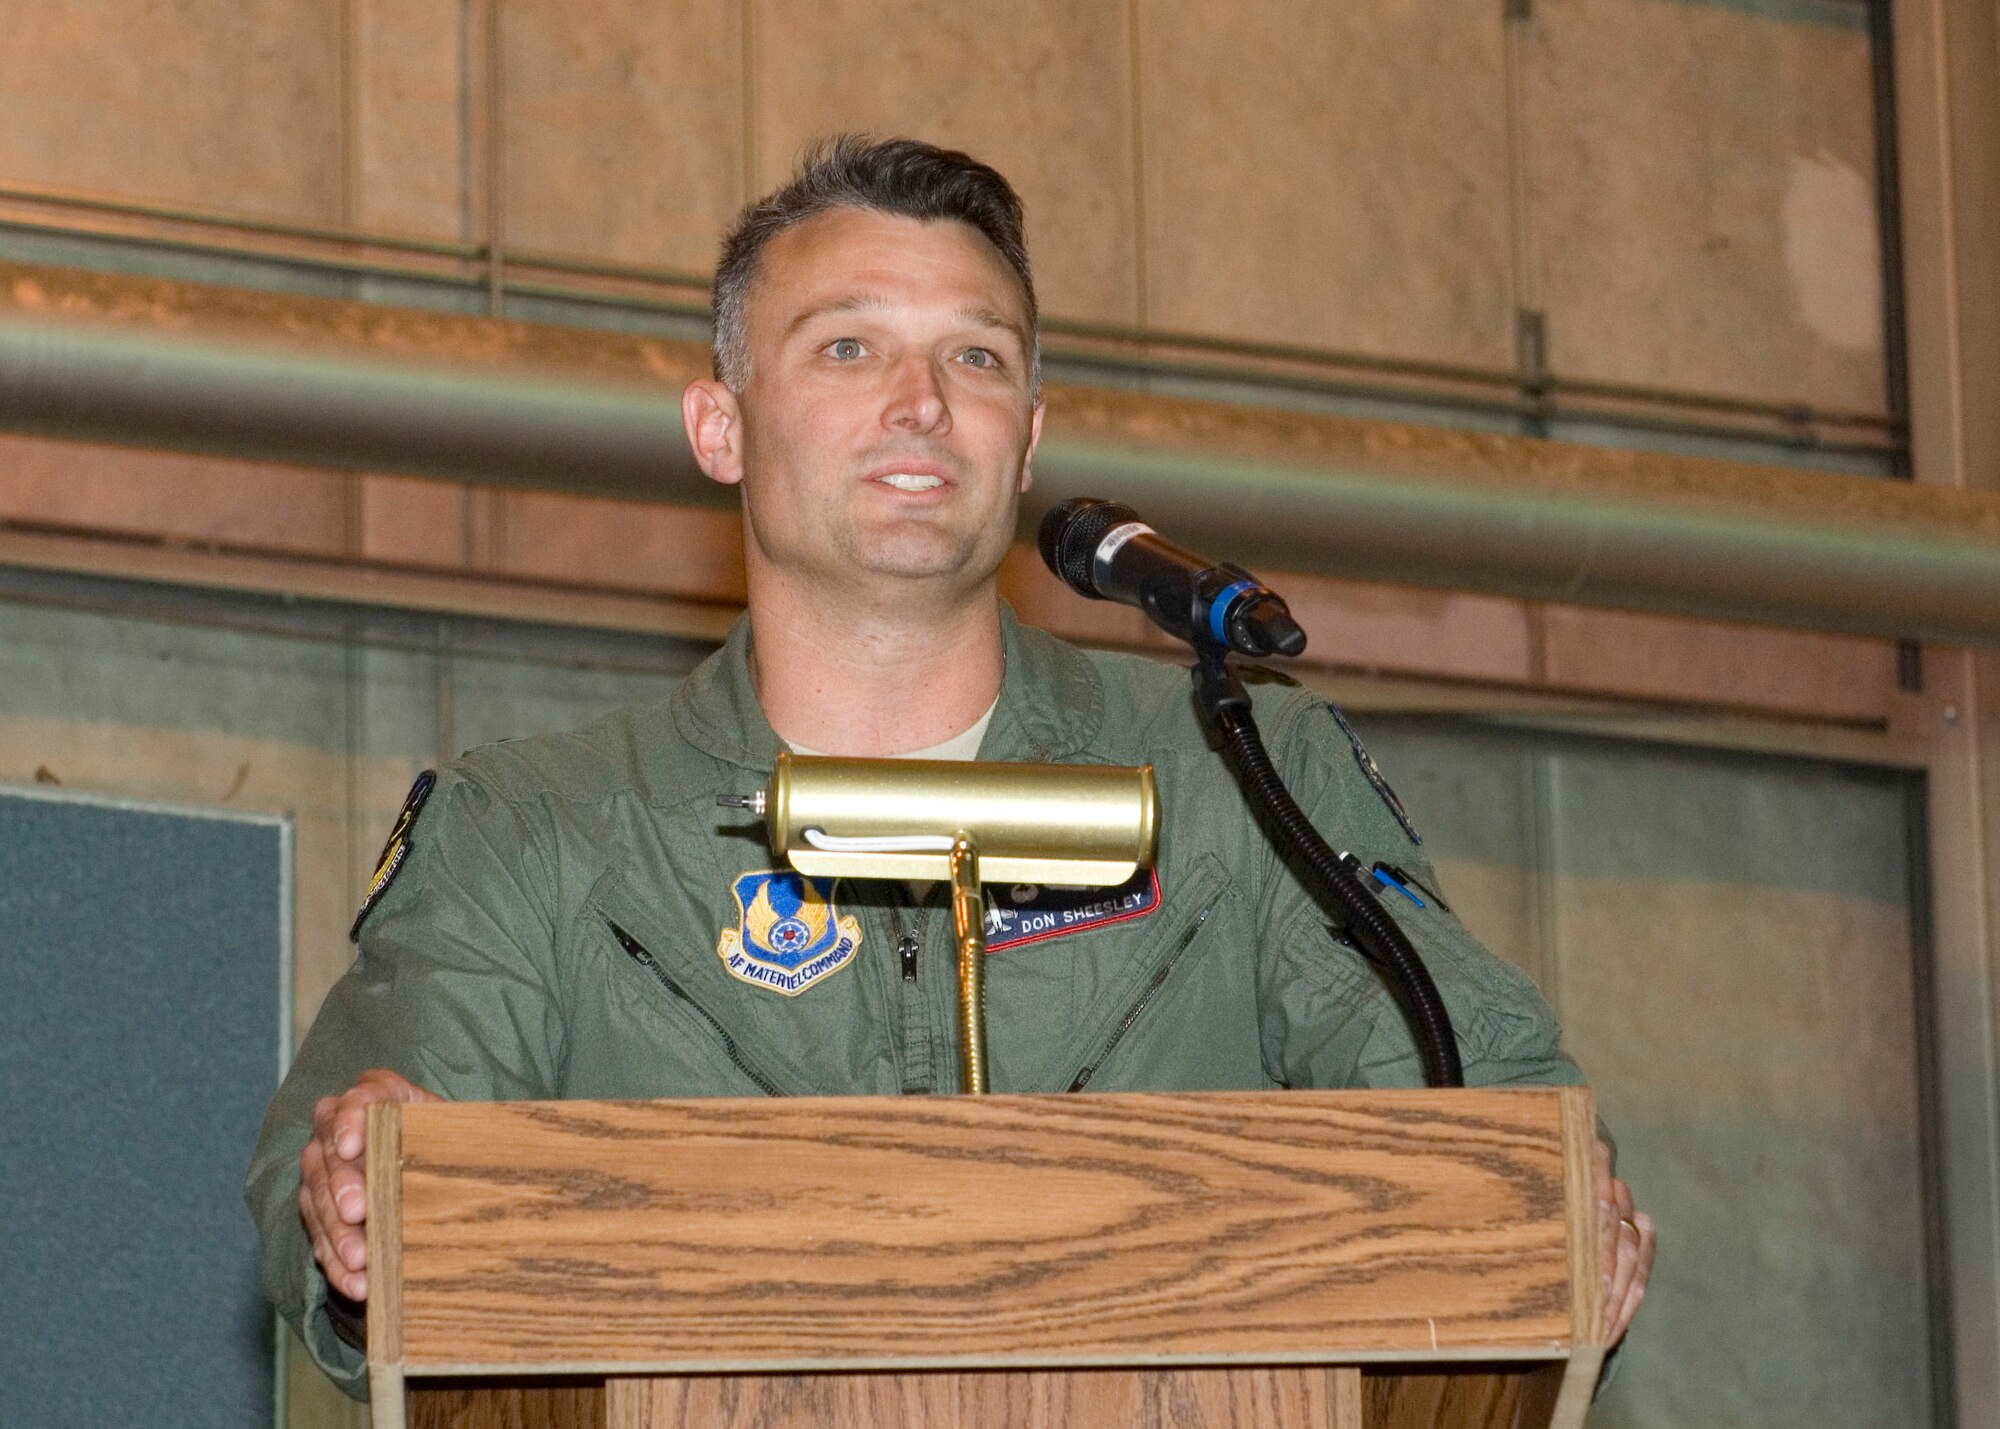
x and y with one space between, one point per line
1034 440
714 422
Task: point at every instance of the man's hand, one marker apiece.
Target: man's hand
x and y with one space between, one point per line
333 1196
1626 1238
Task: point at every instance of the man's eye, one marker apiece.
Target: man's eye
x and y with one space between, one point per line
845 349
978 357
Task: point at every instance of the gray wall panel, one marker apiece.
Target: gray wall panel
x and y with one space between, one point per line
1729 943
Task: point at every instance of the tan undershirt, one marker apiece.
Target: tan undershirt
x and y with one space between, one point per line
964 745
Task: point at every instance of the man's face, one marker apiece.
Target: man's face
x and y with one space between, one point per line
887 424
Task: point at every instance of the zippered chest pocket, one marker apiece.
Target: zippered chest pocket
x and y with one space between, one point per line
1127 977
636 1029
1146 996
738 1059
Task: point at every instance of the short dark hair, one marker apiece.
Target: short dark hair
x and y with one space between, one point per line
905 177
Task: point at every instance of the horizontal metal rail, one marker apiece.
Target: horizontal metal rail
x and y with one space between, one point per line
336 410
1766 545
1455 511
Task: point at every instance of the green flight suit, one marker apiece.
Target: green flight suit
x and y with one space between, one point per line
493 965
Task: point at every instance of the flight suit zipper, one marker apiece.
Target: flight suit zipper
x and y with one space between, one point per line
637 952
919 1077
1125 1024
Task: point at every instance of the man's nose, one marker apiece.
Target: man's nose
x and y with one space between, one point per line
916 398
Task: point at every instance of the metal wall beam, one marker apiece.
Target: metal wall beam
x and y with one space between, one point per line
1287 490
1540 520
345 409
1947 71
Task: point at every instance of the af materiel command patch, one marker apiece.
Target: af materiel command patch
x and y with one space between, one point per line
1374 776
395 851
788 933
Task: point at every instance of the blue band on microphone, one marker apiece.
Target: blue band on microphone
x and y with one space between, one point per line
1218 609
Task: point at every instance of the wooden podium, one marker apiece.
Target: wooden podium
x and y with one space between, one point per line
1323 1258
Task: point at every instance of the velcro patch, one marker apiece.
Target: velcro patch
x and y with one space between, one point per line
789 932
395 851
1032 912
1373 774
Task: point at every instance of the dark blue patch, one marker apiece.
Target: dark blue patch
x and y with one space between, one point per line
1374 776
1019 913
395 851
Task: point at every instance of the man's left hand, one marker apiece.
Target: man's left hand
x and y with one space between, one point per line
1625 1236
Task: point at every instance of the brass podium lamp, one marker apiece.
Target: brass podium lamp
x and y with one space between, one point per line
1080 825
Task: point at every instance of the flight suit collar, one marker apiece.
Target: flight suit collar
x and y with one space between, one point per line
1051 701
715 708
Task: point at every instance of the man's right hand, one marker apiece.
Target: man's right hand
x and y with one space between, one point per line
333 1195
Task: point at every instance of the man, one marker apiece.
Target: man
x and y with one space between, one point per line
573 916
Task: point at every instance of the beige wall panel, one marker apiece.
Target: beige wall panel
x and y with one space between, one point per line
1764 971
1702 199
226 104
623 129
676 550
1667 657
166 494
1041 600
1332 175
1499 904
1038 88
409 160
1374 627
409 521
1370 627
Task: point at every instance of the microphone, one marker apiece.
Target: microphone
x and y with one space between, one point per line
1102 549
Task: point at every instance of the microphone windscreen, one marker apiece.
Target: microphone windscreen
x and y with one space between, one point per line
1070 535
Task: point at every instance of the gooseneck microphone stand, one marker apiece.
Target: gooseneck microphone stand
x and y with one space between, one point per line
1102 551
1225 709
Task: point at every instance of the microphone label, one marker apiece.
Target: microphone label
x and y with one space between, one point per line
1115 539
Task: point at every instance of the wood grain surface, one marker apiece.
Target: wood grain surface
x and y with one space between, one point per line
1231 1398
1491 1396
1586 1277
506 1404
387 1403
955 1232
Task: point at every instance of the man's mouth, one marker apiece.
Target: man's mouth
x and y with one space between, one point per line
910 481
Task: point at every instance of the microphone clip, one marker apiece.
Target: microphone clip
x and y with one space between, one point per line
1218 689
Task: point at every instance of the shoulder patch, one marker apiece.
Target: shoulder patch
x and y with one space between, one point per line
789 933
1031 912
1373 774
395 851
